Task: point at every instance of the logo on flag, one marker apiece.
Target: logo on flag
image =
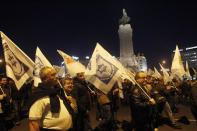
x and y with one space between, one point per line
105 70
18 68
89 65
38 65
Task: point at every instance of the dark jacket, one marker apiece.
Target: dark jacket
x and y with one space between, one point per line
81 93
194 100
194 94
142 112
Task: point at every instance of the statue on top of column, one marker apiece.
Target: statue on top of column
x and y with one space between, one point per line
125 19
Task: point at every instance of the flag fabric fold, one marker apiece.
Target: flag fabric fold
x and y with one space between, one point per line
187 72
73 67
104 70
156 73
177 68
166 76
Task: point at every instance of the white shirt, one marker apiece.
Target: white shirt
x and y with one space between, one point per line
40 110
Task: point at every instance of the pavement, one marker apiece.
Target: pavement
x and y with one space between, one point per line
124 114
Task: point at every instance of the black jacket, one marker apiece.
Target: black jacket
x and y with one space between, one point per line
141 110
81 93
194 94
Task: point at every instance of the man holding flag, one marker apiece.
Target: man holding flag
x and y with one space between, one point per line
141 106
48 111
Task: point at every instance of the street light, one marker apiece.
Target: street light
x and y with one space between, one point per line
163 62
87 57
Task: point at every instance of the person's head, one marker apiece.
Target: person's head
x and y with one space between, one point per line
161 81
81 76
67 83
125 81
48 76
140 77
150 79
3 80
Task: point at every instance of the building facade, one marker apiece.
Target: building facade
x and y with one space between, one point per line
189 54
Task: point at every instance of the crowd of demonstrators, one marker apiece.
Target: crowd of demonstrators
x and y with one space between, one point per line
49 106
147 113
162 103
61 105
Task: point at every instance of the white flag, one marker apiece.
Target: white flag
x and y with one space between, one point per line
61 71
150 72
166 76
104 70
73 67
120 89
177 68
156 73
187 71
40 62
19 66
195 72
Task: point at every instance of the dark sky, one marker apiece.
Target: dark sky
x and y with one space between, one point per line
76 26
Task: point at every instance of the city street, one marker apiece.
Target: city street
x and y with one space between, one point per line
124 114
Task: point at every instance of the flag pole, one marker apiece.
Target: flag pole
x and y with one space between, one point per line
2 90
61 87
145 93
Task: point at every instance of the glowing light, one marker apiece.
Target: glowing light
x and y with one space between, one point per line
75 57
163 61
62 63
189 48
87 57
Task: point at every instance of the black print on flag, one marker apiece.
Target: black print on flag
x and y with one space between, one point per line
18 68
38 65
89 66
105 70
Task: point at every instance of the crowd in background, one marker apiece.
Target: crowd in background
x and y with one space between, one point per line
71 100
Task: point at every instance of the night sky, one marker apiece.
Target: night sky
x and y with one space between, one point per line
75 27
